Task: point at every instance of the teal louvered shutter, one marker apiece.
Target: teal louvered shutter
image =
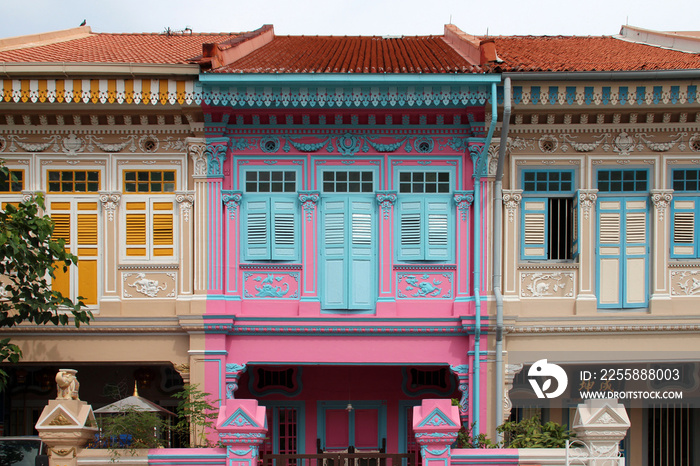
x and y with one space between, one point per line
333 259
362 258
410 214
636 253
534 229
438 225
257 229
285 226
684 236
610 252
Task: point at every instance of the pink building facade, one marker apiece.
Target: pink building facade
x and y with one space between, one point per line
344 233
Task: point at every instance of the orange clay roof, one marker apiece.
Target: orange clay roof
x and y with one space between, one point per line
118 48
570 53
367 54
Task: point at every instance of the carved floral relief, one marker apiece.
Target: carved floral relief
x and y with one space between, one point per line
148 285
546 284
271 285
425 285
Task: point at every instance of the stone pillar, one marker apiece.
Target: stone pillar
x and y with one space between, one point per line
511 371
436 424
511 242
660 235
462 373
586 301
196 149
463 201
600 425
310 304
241 427
66 424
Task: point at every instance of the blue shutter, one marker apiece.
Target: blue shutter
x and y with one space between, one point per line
636 253
333 255
439 230
410 214
609 251
285 227
684 235
534 229
362 254
256 238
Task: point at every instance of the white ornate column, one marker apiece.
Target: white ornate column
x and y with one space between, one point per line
195 149
511 241
110 225
660 249
586 302
600 425
186 201
511 371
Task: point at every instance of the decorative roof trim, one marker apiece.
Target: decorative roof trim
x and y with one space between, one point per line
98 69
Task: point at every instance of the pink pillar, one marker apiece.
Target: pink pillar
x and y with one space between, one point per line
242 429
386 303
436 424
310 303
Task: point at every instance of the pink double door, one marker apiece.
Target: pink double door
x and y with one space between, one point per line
362 427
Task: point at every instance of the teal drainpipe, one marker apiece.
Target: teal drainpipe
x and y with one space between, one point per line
480 163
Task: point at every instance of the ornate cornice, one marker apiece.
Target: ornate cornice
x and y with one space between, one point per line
587 199
110 202
386 200
613 328
232 201
463 200
186 201
195 149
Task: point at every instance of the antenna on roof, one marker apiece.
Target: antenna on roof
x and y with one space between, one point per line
171 32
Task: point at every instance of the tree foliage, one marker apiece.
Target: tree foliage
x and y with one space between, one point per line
29 256
531 433
197 414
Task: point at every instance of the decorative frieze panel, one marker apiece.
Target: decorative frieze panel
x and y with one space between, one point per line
425 285
546 284
616 142
685 282
271 285
149 285
73 145
350 144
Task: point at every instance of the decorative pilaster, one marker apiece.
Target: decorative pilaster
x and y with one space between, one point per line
511 240
110 207
232 247
660 228
195 149
215 153
386 300
310 303
463 203
586 302
186 201
511 371
233 374
462 373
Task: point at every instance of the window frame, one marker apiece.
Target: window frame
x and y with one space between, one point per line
9 181
421 206
545 197
98 170
273 205
685 201
151 210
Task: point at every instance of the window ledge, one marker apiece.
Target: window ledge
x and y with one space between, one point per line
549 265
678 263
149 266
426 266
270 266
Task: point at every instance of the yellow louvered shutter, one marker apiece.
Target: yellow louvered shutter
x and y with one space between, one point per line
61 230
136 229
61 227
163 235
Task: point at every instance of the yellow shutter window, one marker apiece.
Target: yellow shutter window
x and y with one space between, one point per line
87 229
61 226
162 234
136 234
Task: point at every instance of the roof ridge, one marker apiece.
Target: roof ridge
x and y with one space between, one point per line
44 38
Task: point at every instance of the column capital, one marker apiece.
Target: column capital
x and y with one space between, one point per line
662 199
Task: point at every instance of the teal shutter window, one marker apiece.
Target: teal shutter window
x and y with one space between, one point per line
534 229
438 245
334 276
425 226
257 229
270 231
348 250
284 244
361 293
684 237
410 214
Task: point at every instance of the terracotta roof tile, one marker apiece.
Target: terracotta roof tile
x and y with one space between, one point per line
571 53
118 48
334 54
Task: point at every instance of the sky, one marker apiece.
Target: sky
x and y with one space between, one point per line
351 17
